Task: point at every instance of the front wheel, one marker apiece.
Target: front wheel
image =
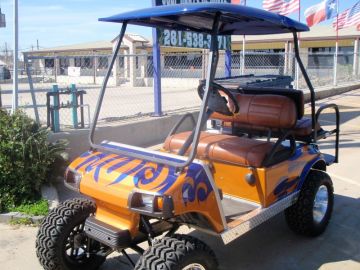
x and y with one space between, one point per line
61 242
180 252
311 214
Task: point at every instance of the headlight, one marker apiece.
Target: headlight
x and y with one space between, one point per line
151 204
72 180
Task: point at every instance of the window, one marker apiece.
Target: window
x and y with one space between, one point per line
121 62
83 62
87 62
64 64
77 61
49 63
103 62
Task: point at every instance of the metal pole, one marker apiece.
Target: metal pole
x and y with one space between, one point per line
356 57
297 74
31 85
56 109
309 84
228 63
104 84
243 57
337 44
15 101
243 51
336 62
157 71
74 105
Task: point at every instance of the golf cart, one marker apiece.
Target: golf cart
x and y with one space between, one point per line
222 183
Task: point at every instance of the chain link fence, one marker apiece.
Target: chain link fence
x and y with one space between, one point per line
130 90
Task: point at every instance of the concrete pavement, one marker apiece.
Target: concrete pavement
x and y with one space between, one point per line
271 245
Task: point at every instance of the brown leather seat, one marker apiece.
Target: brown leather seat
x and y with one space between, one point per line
225 148
268 111
260 113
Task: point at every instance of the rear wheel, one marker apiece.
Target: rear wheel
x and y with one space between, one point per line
61 242
312 212
180 252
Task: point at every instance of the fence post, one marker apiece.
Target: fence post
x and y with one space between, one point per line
297 75
286 58
31 85
228 63
243 57
336 62
56 104
56 63
356 57
74 105
95 63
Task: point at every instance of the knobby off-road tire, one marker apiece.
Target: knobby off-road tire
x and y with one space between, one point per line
63 229
177 253
300 217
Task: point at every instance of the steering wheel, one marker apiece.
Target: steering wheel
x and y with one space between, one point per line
219 102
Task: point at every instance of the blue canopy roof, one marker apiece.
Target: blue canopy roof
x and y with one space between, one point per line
235 19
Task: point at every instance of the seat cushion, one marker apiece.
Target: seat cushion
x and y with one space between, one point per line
224 148
303 128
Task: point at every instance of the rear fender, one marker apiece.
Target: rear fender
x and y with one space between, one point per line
317 164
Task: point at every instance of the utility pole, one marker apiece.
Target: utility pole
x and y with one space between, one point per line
15 101
37 44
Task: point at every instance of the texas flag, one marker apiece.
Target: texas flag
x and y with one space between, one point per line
323 11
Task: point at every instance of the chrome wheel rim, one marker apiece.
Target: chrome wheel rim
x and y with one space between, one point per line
321 203
194 266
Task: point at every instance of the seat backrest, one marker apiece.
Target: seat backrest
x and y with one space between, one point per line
295 95
269 111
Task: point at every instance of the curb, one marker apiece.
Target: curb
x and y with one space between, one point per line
330 92
15 216
48 192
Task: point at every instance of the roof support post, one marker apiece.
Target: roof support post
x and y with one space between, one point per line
157 75
211 71
308 82
156 71
104 85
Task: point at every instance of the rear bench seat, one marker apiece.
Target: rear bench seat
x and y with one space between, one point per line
302 130
267 111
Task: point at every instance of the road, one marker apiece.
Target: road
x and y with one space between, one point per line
271 245
119 102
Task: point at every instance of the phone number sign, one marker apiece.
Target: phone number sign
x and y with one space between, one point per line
189 39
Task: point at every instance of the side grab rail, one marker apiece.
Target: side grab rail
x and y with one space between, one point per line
179 123
336 130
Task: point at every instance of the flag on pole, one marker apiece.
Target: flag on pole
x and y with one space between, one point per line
320 12
348 17
283 7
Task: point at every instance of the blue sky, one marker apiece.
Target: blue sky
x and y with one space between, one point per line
56 23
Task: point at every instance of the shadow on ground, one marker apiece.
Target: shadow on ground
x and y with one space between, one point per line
273 246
